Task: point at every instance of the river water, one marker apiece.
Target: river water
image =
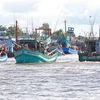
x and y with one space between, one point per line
50 81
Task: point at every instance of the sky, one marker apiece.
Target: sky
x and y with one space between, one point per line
33 13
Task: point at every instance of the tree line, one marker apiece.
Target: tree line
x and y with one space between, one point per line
10 31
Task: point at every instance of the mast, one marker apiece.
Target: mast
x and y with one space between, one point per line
65 26
91 36
16 32
32 28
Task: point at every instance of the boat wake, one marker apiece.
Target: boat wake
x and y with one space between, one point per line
68 58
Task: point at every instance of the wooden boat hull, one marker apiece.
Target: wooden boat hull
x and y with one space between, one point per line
32 56
89 57
69 50
3 58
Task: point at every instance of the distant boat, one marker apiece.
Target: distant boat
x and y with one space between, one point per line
69 50
92 50
66 45
3 58
3 54
92 53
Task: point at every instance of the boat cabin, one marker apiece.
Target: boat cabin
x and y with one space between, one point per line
32 44
93 46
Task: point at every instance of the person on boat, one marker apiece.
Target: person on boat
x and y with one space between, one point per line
79 50
3 50
26 46
50 48
2 53
73 46
46 52
60 50
15 47
22 46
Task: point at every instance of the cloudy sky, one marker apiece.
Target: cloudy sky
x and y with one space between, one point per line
30 13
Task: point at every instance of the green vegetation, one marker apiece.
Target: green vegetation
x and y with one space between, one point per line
10 31
46 26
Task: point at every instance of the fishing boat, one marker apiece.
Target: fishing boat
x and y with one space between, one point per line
3 58
3 54
92 52
69 50
35 50
67 47
33 56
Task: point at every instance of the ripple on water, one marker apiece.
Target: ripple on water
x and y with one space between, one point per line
53 81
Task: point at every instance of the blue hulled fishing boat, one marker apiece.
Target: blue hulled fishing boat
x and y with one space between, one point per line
66 45
69 50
